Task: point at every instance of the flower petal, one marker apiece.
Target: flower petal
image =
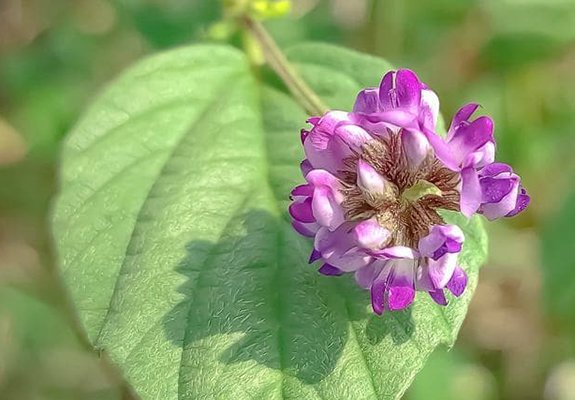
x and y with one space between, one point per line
302 190
308 230
302 211
504 206
370 234
378 290
495 169
470 192
365 276
429 108
401 284
400 297
523 201
326 210
416 147
493 190
441 149
334 138
397 252
458 282
440 240
441 270
367 101
386 88
461 116
339 248
438 296
408 88
468 139
330 270
305 167
369 180
314 256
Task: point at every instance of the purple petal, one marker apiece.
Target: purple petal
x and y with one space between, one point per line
441 149
369 180
416 147
523 201
441 270
339 248
422 281
305 167
314 256
325 209
458 282
495 189
467 139
330 270
462 115
386 88
401 284
429 108
438 296
320 177
494 169
483 156
308 230
397 252
353 136
302 190
398 118
408 88
440 240
400 297
450 246
470 192
334 138
313 120
367 101
370 234
503 207
378 296
302 211
367 275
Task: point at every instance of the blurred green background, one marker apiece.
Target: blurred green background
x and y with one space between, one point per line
515 57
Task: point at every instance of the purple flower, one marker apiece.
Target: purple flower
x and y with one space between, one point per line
439 268
376 179
398 272
469 146
317 204
502 194
401 97
333 138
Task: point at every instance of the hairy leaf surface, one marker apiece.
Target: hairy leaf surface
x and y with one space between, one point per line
175 245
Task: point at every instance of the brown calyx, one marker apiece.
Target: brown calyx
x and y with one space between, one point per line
408 220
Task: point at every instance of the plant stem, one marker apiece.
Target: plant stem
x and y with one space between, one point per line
279 63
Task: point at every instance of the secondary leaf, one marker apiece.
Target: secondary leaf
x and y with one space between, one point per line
175 244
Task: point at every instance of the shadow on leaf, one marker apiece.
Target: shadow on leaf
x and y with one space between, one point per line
252 297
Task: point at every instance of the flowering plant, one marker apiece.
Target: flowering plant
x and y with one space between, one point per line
377 178
171 238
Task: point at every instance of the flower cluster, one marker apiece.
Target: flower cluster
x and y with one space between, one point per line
375 180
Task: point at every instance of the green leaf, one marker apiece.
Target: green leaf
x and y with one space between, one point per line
557 257
175 244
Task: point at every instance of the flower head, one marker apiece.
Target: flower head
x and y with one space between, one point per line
376 180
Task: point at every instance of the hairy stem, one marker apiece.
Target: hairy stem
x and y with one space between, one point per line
279 63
